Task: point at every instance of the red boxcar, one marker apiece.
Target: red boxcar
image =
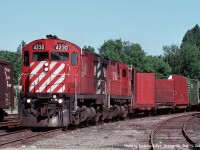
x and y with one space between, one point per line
172 92
145 91
164 93
6 91
181 91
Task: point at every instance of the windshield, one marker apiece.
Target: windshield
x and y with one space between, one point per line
60 56
40 56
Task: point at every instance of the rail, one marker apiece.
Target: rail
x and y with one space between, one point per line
25 135
194 144
168 134
10 123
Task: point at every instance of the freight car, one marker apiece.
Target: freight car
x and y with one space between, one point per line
193 93
144 93
6 89
63 84
172 93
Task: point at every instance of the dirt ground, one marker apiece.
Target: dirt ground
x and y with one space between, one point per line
128 134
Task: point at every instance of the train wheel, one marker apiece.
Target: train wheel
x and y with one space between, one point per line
87 124
150 113
2 114
64 128
146 112
1 117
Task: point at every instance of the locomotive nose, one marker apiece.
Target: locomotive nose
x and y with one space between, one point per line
47 77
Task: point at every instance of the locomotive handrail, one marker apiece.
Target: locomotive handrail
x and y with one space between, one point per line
75 94
51 74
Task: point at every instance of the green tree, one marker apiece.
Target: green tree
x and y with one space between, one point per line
192 36
20 47
135 56
112 49
89 48
156 64
190 60
186 59
172 57
124 51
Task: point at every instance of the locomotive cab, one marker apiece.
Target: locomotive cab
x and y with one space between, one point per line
49 74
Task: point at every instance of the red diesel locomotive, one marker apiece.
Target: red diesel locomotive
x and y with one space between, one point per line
63 84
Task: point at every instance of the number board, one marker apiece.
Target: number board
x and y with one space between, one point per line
61 47
38 47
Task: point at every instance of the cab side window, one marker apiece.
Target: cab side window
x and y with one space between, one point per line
124 73
26 58
118 71
74 59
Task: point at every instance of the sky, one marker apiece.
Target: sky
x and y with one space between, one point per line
150 23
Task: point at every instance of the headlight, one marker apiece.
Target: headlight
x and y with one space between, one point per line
46 69
60 101
28 100
54 96
46 64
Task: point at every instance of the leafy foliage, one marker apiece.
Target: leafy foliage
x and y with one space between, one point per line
15 58
192 36
133 55
189 60
112 49
89 48
172 57
156 64
129 53
186 59
20 47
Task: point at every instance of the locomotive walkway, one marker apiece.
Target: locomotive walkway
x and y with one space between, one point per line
177 133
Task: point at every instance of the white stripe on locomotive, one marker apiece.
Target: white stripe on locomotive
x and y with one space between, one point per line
48 80
55 85
98 90
37 68
62 89
39 76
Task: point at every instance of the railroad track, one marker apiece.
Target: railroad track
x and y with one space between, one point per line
170 134
18 137
10 123
10 120
11 116
191 131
